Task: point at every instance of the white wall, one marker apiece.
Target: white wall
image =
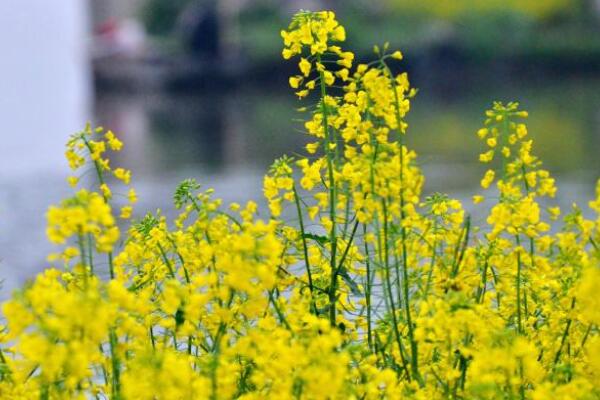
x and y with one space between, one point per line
45 95
44 81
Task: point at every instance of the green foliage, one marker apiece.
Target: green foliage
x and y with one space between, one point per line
160 16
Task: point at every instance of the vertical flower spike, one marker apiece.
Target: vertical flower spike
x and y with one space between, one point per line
520 180
311 35
279 179
88 217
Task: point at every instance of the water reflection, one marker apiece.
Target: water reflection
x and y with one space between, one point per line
564 122
216 134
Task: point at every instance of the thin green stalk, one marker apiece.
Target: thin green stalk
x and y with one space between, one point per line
429 274
414 362
368 292
45 392
498 294
166 260
386 271
347 249
482 289
564 336
522 385
111 267
82 251
329 140
181 260
585 337
431 264
346 211
89 250
518 282
461 247
152 339
213 377
90 253
304 248
531 240
397 275
116 366
278 311
3 372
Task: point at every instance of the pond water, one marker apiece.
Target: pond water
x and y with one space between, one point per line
244 130
228 140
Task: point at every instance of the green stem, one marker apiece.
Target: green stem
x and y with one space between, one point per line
329 140
481 290
166 260
368 292
585 337
389 286
304 248
522 385
90 253
430 272
181 260
564 336
81 249
461 247
414 362
518 282
278 311
116 366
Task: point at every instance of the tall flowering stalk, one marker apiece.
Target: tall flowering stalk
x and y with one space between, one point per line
354 286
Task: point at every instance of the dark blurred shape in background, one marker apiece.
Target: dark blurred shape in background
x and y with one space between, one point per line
200 26
461 54
469 36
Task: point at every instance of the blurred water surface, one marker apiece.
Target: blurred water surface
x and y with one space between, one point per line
227 140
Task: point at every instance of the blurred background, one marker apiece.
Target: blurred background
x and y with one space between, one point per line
197 88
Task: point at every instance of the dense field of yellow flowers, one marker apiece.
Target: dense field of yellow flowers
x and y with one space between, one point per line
353 287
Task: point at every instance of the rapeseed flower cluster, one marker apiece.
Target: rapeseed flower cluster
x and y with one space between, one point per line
353 286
